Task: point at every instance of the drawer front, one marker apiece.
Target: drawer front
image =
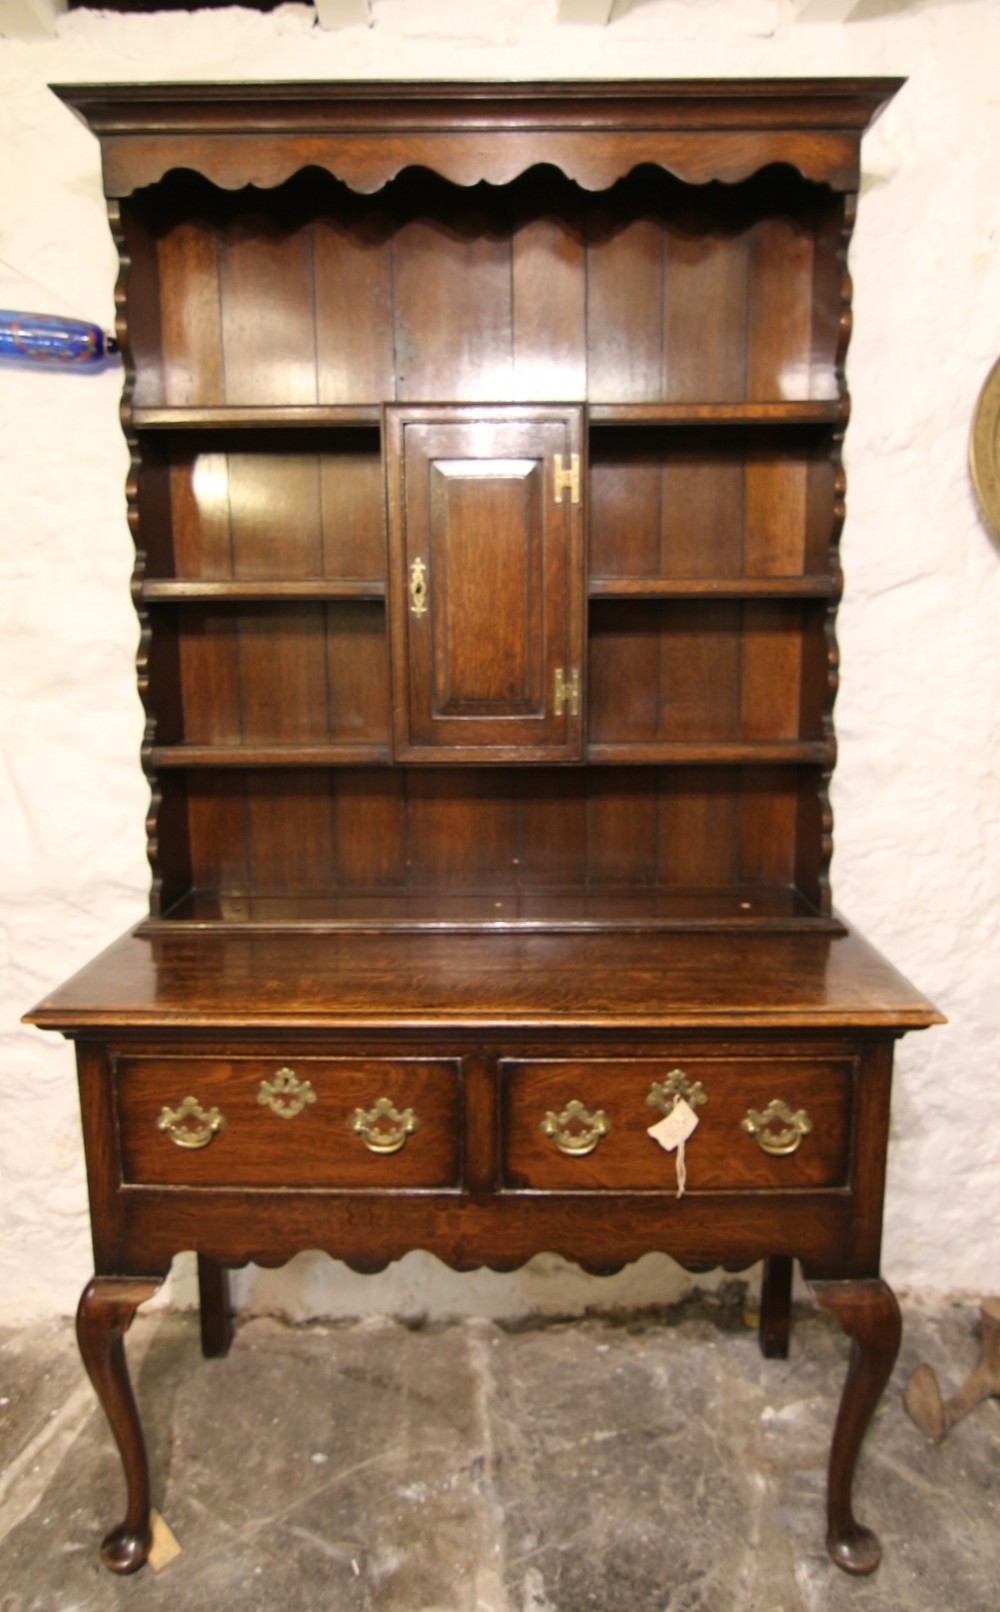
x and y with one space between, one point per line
583 1124
304 1122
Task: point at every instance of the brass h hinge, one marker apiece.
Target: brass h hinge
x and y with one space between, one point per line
567 692
563 479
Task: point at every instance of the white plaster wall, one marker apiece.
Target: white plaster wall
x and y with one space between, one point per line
917 791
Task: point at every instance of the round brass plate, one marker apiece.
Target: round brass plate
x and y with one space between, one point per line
984 451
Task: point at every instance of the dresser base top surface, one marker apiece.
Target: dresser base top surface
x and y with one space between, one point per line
536 981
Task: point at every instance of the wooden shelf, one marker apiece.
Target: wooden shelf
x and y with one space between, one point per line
177 591
236 418
722 752
804 587
497 909
822 411
267 755
218 417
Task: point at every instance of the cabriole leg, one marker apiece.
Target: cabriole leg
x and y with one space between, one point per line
869 1314
104 1316
216 1316
775 1307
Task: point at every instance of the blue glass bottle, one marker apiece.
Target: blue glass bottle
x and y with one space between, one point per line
43 338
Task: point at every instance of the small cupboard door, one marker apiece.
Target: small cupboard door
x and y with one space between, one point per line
486 582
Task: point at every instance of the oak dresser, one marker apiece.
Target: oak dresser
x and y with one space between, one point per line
486 489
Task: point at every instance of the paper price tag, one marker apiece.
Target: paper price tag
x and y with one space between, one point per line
672 1131
675 1127
164 1546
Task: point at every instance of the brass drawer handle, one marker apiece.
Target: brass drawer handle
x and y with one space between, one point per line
286 1095
778 1143
664 1094
383 1129
575 1132
177 1123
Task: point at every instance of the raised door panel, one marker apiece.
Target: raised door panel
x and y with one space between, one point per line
486 586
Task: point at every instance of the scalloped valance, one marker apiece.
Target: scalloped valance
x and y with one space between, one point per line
366 134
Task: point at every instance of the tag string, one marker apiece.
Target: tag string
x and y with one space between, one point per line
681 1164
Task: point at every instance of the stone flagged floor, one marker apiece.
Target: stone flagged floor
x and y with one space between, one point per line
620 1463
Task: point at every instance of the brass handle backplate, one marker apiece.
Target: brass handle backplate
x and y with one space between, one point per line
418 588
575 1132
286 1095
383 1129
665 1093
190 1125
778 1143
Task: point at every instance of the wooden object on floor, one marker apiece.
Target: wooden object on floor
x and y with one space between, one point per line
936 1416
487 490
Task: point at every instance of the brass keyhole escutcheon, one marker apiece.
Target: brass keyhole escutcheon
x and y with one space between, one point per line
383 1129
190 1125
794 1125
285 1095
418 587
575 1132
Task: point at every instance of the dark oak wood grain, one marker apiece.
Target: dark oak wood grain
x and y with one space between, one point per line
237 981
869 1314
215 1309
709 485
367 133
262 1146
474 508
774 1329
105 1314
720 1154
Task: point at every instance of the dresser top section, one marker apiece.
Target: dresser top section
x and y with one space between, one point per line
487 982
366 133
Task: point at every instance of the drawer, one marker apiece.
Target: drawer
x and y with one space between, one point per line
582 1124
304 1122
